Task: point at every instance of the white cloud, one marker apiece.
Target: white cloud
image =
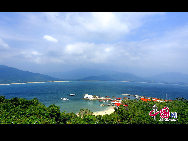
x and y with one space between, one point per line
96 38
35 53
104 22
90 52
3 45
50 38
88 26
79 48
164 53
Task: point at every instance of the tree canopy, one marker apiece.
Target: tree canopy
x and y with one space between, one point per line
23 111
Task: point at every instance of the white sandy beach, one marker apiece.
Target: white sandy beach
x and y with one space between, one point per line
36 82
17 83
108 111
4 84
61 81
104 112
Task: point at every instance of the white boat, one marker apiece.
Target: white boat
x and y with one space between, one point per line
126 94
72 94
64 98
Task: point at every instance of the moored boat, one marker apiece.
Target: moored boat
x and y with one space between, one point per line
71 94
64 98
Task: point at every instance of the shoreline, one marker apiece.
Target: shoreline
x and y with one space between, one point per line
108 111
15 83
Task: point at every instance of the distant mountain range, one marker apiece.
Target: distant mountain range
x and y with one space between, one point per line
77 74
9 74
115 77
96 74
170 77
108 75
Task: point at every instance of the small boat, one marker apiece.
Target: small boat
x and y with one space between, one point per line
126 94
71 94
64 98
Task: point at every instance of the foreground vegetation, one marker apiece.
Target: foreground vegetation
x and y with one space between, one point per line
22 111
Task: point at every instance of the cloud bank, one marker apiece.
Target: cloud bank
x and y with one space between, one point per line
125 41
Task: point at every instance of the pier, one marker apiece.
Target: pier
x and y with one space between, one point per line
109 101
95 97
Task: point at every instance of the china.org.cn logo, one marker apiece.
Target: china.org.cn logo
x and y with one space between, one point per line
165 115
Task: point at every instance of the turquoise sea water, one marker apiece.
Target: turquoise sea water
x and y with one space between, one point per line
51 93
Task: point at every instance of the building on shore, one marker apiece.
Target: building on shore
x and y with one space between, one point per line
87 96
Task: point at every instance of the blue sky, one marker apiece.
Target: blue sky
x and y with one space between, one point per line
144 43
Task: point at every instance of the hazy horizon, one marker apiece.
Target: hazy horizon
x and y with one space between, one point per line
141 43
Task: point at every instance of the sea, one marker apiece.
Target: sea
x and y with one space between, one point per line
51 92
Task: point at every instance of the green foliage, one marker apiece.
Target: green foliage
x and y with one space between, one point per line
84 112
2 99
54 112
22 111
